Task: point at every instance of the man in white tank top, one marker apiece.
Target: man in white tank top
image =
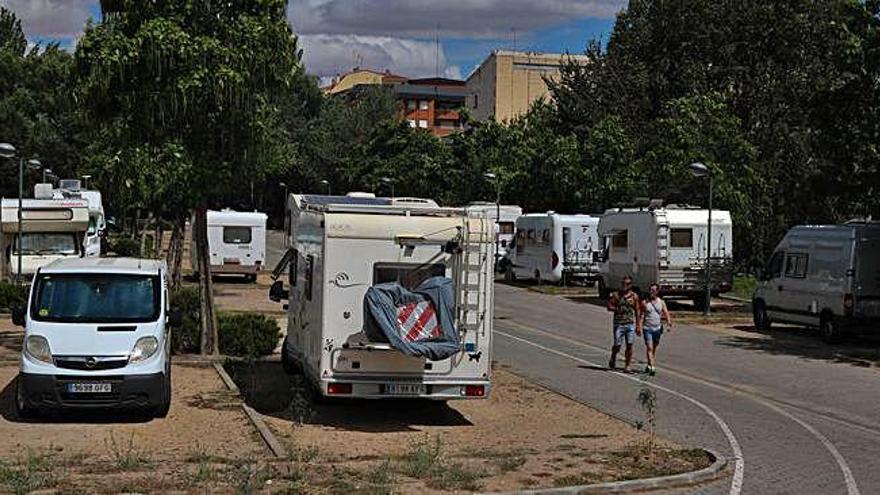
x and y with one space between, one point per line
656 320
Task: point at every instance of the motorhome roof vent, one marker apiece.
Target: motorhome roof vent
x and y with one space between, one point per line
415 201
43 191
551 212
71 185
360 195
655 204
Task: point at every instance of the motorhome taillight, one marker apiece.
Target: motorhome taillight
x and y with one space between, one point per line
554 260
338 388
474 391
848 304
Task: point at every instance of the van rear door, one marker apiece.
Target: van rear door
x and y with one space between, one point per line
867 283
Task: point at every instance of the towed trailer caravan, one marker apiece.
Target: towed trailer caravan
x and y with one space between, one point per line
343 247
236 242
505 217
666 246
556 248
51 229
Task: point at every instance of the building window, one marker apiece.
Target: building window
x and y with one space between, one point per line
681 238
411 104
412 123
476 101
423 124
423 105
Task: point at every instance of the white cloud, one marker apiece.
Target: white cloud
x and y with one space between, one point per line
449 18
51 18
330 54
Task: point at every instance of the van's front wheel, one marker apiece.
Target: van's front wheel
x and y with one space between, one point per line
830 329
162 409
760 316
21 408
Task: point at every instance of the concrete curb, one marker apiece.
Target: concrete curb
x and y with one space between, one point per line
266 435
710 473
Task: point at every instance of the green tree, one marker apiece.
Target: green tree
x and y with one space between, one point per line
209 77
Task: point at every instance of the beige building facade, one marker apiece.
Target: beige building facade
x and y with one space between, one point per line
506 84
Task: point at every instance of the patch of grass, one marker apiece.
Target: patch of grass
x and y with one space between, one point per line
248 477
36 472
454 477
577 479
508 464
424 460
744 286
127 457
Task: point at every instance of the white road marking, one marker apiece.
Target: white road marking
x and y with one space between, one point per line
849 478
739 462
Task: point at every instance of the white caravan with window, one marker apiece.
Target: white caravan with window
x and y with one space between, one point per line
96 335
236 242
72 189
556 248
505 217
823 276
51 229
339 247
666 246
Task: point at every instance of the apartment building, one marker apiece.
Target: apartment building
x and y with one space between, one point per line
432 104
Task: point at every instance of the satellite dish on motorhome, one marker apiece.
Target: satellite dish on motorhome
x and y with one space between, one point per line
360 195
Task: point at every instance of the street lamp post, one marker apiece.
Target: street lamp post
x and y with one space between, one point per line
701 170
390 182
85 179
326 182
494 179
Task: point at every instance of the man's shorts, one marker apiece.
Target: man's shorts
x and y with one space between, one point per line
652 336
625 332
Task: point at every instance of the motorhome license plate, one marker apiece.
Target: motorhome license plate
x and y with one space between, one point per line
405 389
89 388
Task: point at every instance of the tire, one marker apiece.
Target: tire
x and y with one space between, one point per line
700 302
21 408
830 329
509 275
760 317
251 278
290 366
162 409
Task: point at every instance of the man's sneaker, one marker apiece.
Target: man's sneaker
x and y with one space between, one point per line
652 370
612 365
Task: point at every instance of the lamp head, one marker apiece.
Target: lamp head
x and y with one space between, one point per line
36 165
699 169
7 150
490 176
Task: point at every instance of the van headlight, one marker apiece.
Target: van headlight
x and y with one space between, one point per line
37 347
143 349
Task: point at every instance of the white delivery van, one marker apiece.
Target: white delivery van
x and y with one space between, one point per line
96 335
51 229
666 246
340 246
550 247
823 276
236 242
504 217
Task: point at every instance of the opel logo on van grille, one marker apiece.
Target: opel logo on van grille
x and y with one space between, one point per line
91 362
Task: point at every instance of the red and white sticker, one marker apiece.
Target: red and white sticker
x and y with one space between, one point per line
417 321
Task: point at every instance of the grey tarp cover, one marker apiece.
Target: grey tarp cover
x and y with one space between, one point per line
384 303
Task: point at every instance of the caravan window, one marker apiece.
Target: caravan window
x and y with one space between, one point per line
46 243
236 235
796 266
409 275
620 240
309 276
681 238
505 228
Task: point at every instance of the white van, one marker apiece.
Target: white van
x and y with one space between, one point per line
556 248
236 243
505 217
96 335
823 276
51 229
339 247
667 246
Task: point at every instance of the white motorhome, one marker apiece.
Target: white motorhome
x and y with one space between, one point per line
823 276
666 246
72 189
95 336
504 217
555 248
339 247
51 229
236 242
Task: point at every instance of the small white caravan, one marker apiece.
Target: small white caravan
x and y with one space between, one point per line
823 276
556 248
341 246
51 229
96 336
236 242
505 217
72 189
666 246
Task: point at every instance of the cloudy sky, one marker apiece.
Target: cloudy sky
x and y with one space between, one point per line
398 35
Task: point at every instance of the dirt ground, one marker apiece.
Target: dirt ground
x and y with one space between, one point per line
523 436
101 452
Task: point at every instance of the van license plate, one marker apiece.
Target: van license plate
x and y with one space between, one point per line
405 389
89 388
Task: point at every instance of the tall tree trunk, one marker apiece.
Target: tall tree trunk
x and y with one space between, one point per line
157 240
174 257
207 315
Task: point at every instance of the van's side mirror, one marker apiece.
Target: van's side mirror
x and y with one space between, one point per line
277 292
18 316
175 318
598 257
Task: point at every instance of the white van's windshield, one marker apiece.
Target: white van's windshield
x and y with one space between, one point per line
96 298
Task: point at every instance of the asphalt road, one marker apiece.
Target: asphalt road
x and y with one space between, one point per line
793 415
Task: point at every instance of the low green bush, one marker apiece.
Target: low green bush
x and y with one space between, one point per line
12 296
124 246
247 334
187 338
